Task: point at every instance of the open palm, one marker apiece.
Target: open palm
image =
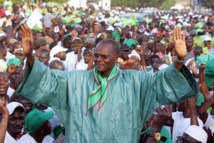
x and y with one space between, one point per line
27 40
180 45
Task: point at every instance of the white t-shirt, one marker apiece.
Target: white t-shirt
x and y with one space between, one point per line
209 122
26 138
71 61
9 139
10 92
181 124
29 139
81 65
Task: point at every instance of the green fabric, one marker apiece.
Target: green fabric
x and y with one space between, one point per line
14 61
36 118
37 28
99 94
209 73
132 98
115 35
200 99
164 133
199 24
127 22
203 59
198 41
130 42
205 50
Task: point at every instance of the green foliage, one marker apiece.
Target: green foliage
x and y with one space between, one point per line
208 3
126 3
163 4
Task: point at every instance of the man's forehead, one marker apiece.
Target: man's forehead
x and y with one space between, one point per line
3 75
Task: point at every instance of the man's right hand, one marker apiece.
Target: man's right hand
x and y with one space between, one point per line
27 40
27 44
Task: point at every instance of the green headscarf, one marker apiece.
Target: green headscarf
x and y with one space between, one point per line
100 93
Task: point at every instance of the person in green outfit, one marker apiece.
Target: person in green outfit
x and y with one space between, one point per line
105 104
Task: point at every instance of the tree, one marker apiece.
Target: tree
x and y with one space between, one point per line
208 4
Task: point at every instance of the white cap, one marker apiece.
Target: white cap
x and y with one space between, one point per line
207 38
135 54
110 28
99 35
7 13
163 66
13 105
56 50
197 133
3 65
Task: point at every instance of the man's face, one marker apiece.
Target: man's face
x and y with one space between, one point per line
96 28
197 52
86 58
147 54
189 43
15 75
16 121
153 60
144 45
3 52
155 67
4 84
125 54
207 44
104 58
56 37
44 58
27 104
46 128
62 55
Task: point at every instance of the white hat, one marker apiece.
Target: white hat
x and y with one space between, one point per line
7 13
163 66
13 105
207 38
99 35
135 54
3 65
197 133
56 50
110 28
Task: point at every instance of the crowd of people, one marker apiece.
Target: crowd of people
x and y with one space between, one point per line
75 75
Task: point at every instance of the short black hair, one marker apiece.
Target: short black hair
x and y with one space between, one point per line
2 47
198 48
115 45
155 57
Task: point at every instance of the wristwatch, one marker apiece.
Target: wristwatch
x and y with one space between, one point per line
156 136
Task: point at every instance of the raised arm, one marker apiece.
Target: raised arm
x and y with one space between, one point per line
4 120
180 48
27 44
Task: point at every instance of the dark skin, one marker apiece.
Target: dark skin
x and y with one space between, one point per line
16 122
105 56
105 59
14 76
189 44
61 55
4 84
43 131
43 56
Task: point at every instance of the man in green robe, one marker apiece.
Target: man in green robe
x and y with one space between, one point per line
105 105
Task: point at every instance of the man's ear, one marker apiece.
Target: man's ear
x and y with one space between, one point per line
41 131
116 57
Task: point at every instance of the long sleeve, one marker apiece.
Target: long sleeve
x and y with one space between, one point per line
165 87
49 87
